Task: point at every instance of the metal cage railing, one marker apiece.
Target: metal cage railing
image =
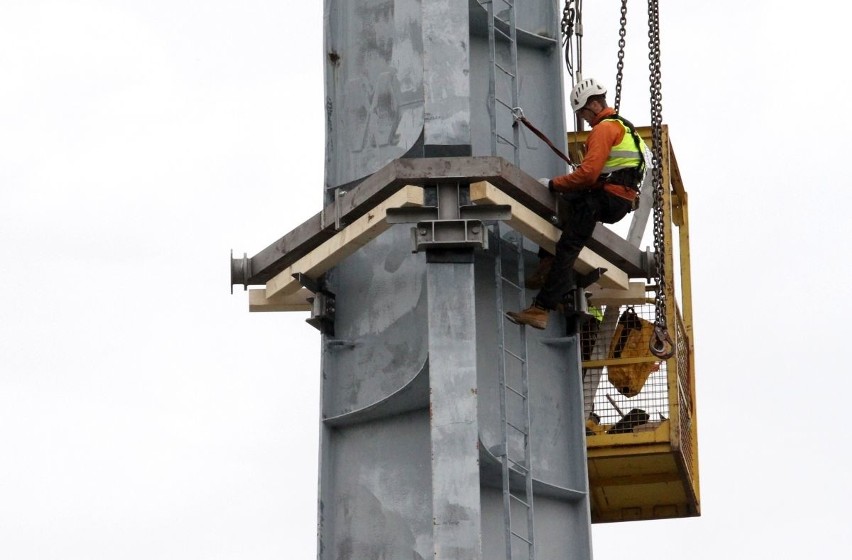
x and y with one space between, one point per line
642 430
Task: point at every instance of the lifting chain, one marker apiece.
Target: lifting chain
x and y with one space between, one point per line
661 343
622 32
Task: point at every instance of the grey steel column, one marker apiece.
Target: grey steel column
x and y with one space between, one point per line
453 402
400 475
446 78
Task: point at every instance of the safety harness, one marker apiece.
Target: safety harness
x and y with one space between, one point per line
630 177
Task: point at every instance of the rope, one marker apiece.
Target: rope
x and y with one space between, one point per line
519 116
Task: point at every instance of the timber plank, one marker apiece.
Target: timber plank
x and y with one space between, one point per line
343 243
545 234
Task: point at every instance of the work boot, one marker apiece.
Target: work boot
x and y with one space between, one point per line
535 281
534 316
593 425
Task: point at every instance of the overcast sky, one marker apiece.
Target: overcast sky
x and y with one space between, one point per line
145 414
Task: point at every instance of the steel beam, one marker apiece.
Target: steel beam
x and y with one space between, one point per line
422 171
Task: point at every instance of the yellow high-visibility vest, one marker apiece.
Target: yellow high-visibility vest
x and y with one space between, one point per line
624 154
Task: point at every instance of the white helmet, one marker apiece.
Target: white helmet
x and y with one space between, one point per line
583 91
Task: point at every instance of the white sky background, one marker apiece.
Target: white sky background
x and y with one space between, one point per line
145 414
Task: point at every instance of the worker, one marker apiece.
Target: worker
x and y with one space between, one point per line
604 188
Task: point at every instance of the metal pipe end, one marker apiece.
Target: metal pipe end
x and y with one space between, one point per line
240 271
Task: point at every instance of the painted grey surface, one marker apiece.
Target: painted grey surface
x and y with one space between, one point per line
404 77
410 401
374 84
379 490
446 75
539 87
381 349
376 396
453 403
560 532
553 412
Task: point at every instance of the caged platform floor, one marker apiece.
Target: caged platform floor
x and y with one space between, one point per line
640 431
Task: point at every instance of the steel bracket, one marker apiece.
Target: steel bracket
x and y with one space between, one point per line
587 280
449 234
322 304
577 308
451 222
339 223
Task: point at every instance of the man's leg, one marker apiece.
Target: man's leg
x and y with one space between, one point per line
535 281
575 233
584 214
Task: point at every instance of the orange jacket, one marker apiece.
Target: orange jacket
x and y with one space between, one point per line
602 138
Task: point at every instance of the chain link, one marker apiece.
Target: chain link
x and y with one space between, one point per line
661 346
619 75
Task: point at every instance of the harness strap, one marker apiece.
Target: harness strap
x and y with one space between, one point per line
630 177
632 129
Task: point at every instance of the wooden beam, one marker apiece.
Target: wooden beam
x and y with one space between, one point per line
633 295
297 301
543 233
618 251
344 243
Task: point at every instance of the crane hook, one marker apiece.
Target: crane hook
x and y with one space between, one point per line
661 343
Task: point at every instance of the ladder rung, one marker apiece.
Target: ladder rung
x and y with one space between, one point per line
507 72
518 465
500 31
509 387
520 430
522 502
522 360
503 103
506 140
522 538
510 282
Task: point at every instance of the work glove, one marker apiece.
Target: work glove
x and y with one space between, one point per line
547 183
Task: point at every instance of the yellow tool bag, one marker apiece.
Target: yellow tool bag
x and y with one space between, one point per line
630 340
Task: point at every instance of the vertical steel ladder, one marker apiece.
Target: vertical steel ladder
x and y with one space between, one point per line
514 450
503 75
